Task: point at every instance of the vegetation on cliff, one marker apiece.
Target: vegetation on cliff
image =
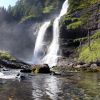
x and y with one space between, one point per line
82 19
92 53
75 5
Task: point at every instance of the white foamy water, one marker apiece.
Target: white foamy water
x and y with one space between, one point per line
38 50
52 55
9 74
3 76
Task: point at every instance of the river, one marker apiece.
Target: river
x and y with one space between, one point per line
72 86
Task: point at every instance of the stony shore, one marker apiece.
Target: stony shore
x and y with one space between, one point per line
62 66
77 67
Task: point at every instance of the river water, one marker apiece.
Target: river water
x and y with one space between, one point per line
72 86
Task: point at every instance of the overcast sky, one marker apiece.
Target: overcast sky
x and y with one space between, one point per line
6 3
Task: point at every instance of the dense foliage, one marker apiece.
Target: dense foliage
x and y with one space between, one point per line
34 8
5 16
75 5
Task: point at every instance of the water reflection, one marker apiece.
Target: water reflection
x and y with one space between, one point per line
15 90
45 88
90 82
52 86
74 86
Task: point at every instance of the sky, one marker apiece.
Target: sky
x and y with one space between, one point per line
6 3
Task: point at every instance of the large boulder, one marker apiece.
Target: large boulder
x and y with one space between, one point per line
41 69
94 68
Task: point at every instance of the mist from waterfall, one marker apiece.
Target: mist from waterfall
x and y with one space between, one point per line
39 50
52 55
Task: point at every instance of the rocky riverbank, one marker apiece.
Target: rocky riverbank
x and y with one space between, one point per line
62 67
14 64
24 67
65 66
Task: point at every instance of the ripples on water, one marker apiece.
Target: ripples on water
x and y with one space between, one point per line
73 86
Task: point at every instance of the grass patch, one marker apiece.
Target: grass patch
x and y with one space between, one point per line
92 55
6 55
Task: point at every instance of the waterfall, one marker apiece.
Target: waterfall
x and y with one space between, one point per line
39 50
52 54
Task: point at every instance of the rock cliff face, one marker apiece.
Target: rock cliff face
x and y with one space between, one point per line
76 26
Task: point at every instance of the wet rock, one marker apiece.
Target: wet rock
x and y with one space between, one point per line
41 68
55 73
20 76
78 66
70 65
85 65
15 64
98 63
94 68
26 70
4 69
81 63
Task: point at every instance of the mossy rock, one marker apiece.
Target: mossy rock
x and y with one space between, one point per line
41 68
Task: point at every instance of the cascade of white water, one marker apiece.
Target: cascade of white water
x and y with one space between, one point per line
52 54
38 50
